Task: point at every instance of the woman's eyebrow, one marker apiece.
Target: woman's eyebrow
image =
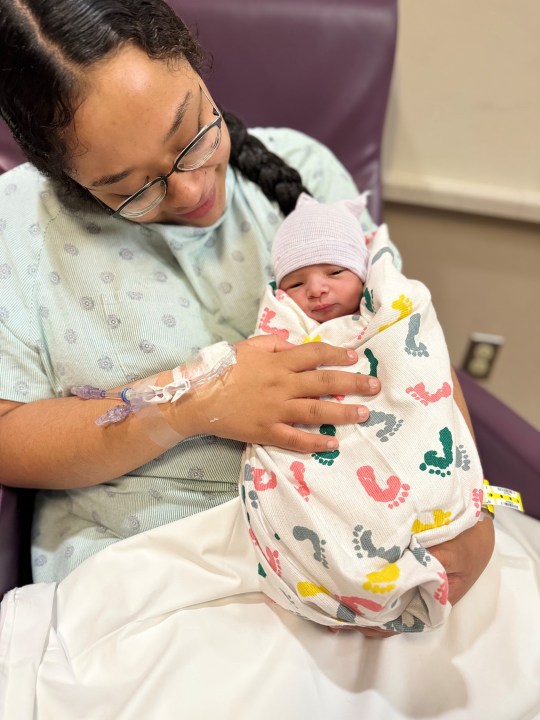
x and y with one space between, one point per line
178 117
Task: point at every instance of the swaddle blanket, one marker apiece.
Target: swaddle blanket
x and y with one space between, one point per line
342 536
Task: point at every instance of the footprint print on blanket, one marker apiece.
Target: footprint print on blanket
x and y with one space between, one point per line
378 255
463 461
251 494
441 593
399 626
382 581
303 533
363 544
404 306
419 392
298 469
373 362
440 518
326 457
393 494
349 607
264 324
411 346
391 424
438 464
368 297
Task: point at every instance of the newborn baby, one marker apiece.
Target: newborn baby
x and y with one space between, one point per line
343 536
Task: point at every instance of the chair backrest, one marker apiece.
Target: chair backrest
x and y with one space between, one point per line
323 68
10 153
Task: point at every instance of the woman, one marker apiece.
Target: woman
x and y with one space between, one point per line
145 237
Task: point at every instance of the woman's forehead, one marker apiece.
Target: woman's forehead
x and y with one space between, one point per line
130 104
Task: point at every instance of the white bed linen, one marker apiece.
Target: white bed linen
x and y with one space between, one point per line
170 624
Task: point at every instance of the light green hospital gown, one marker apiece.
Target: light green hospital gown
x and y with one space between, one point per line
87 299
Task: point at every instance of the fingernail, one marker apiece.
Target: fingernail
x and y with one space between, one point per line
363 413
373 383
331 444
352 354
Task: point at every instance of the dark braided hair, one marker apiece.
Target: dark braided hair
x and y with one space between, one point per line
45 48
277 180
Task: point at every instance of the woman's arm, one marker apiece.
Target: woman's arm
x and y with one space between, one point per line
56 443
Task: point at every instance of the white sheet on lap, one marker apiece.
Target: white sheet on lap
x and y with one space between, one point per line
170 624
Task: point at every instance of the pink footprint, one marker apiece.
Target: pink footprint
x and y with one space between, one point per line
353 602
394 493
258 482
297 468
272 557
420 393
265 326
441 593
477 498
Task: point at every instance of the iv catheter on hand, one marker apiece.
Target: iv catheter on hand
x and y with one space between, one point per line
211 363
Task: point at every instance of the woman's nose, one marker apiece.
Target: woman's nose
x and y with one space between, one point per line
185 188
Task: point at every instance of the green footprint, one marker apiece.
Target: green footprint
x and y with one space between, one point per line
326 457
368 297
373 362
437 463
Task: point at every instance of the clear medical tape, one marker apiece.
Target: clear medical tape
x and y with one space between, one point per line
206 371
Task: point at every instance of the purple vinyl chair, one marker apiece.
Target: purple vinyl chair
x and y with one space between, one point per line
326 70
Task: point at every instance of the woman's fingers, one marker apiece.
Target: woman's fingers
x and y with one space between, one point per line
319 383
321 412
316 354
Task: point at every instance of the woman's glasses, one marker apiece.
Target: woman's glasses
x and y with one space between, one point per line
193 156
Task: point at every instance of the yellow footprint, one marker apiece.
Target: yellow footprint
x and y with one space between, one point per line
405 307
386 575
439 518
308 589
308 339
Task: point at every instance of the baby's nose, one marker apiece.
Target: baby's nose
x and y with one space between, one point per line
316 287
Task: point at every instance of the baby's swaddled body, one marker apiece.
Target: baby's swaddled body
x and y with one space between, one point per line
342 536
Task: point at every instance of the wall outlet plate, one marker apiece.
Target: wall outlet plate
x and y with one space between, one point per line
481 353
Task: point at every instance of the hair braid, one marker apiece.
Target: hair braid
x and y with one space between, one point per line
277 180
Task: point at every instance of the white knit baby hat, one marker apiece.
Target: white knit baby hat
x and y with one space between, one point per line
317 233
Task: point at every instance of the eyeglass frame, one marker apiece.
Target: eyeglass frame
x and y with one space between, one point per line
163 178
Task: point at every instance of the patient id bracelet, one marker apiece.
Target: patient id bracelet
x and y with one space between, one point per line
211 363
495 495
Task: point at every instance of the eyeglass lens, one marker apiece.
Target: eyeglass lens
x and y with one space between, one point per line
197 155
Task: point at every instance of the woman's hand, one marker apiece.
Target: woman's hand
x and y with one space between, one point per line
464 558
273 386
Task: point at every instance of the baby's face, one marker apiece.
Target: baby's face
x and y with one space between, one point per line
324 291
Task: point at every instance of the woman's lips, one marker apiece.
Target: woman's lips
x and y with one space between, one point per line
202 209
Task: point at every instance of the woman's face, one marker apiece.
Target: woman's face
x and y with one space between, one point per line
136 117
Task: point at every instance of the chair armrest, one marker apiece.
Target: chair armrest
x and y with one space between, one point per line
508 445
9 539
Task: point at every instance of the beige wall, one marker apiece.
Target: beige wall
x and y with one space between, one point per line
484 275
464 117
461 176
